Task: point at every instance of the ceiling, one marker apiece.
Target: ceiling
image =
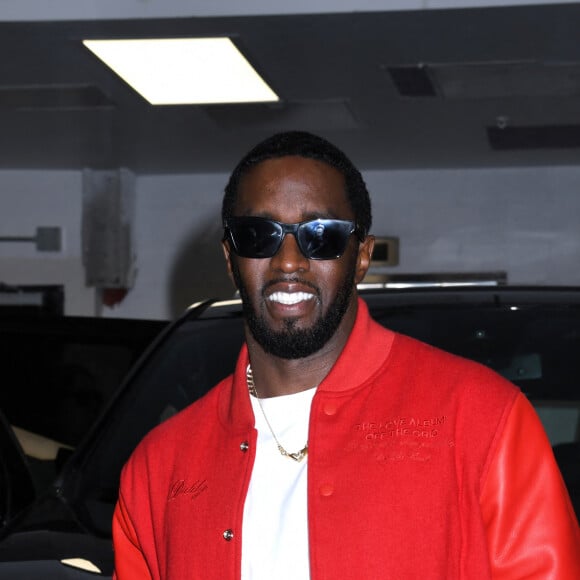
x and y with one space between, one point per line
423 88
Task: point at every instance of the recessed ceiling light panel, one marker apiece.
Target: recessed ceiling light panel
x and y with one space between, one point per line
182 71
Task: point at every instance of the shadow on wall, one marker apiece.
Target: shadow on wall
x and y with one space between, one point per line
199 269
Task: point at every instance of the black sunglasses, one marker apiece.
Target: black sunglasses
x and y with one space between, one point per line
257 237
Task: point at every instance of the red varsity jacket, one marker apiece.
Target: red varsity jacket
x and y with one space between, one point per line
421 465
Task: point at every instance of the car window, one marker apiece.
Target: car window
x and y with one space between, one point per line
534 347
191 360
58 374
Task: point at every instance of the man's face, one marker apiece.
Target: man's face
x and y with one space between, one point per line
295 306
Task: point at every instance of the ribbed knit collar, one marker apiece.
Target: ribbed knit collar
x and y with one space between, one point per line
364 353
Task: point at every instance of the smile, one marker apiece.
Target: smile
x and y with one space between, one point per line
290 298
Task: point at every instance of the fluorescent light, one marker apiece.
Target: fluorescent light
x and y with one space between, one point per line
181 71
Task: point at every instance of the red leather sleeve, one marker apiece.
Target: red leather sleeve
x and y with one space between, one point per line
130 563
531 526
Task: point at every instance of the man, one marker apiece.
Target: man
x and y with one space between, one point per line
338 449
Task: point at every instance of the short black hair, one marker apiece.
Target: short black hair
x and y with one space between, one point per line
303 144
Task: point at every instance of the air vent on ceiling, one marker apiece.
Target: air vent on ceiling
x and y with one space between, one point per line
487 80
53 97
412 81
538 137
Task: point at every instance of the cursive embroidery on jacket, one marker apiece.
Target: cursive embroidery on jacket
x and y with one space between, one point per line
183 488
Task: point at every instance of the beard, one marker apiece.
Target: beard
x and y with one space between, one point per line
293 342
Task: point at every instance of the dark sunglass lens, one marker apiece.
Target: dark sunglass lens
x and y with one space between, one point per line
324 239
255 237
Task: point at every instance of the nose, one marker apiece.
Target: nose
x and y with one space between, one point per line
289 258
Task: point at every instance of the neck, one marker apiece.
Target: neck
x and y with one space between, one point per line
275 376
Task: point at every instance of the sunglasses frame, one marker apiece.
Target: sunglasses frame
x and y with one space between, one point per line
293 229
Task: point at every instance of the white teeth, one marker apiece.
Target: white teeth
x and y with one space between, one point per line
290 297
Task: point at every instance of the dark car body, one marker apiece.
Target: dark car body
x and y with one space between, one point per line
530 335
58 374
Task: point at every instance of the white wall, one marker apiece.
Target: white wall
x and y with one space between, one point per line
179 257
29 199
525 221
522 221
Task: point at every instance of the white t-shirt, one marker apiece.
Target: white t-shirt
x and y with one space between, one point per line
275 528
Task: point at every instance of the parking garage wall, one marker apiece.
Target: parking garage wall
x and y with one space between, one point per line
524 221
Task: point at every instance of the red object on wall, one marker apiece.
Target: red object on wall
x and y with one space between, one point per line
112 296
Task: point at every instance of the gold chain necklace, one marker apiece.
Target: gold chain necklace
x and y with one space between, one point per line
299 455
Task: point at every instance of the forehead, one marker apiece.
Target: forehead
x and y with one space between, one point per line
293 188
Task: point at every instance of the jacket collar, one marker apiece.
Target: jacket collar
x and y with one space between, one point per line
365 352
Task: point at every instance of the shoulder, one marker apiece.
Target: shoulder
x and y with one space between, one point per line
439 363
472 389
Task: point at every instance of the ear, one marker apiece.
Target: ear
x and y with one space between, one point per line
365 252
228 256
